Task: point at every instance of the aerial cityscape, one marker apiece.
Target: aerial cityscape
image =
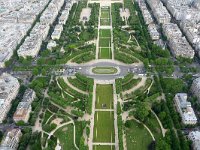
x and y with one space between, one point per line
100 75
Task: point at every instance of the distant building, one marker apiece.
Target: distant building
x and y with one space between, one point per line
51 44
29 96
184 108
64 16
57 32
160 12
11 140
194 136
153 32
16 19
24 107
9 87
195 88
33 43
177 42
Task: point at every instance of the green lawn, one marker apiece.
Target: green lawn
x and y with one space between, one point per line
46 116
104 70
105 13
105 53
104 33
66 137
137 136
104 127
104 95
103 147
104 42
105 21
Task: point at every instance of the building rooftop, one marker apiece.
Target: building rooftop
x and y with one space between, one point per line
186 109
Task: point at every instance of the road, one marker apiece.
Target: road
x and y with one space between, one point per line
123 69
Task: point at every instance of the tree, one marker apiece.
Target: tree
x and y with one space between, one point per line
170 85
1 135
20 123
141 111
35 72
44 72
162 145
82 146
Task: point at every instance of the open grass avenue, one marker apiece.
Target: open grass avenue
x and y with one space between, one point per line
105 44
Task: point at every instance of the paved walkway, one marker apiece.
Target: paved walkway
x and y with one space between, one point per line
61 125
90 141
161 126
115 118
62 88
103 143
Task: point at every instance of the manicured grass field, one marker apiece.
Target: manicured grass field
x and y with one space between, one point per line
104 127
103 147
104 95
105 13
105 16
66 137
137 136
104 70
105 53
104 33
104 42
105 21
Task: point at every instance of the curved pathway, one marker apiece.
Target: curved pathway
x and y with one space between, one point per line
73 87
132 118
139 85
67 123
161 126
62 88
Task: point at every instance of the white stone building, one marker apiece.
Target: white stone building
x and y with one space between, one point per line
24 107
11 140
185 109
57 32
195 88
153 32
9 87
194 136
16 18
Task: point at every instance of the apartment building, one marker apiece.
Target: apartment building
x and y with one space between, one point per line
57 32
11 140
185 109
32 44
177 42
153 32
9 87
194 136
24 107
16 19
195 88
